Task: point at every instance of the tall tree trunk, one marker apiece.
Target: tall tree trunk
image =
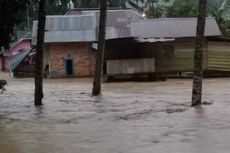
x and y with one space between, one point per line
39 54
101 49
198 56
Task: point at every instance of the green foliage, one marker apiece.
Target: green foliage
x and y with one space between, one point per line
225 8
10 15
95 3
218 8
182 8
155 12
86 3
53 7
117 3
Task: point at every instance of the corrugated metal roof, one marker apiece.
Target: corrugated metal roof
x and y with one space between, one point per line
111 13
83 26
70 22
118 22
70 36
23 34
172 28
116 17
72 28
18 42
16 59
68 29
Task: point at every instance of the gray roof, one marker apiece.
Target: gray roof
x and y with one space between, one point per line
82 26
18 42
79 26
118 22
23 34
70 28
16 59
172 28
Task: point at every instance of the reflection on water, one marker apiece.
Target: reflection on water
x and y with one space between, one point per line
127 118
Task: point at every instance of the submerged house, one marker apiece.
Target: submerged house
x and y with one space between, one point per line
177 55
70 40
17 47
218 55
23 64
134 45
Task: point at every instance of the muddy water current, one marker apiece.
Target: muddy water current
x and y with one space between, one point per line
129 117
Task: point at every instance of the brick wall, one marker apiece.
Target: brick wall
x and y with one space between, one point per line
81 53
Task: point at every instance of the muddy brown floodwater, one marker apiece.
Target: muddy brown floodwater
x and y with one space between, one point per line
132 117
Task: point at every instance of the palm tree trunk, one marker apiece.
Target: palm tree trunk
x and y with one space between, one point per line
101 49
39 54
198 56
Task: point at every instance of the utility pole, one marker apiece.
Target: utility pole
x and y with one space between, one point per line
198 56
39 54
101 49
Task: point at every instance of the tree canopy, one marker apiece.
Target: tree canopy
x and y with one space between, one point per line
13 17
10 15
19 15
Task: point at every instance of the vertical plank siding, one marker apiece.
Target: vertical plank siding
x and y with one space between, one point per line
177 59
219 56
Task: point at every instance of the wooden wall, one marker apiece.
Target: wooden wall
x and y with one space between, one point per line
126 56
126 49
175 56
219 56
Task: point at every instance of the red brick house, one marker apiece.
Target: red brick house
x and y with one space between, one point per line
70 59
70 39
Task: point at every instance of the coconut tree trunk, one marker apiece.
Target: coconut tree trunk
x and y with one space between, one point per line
101 49
198 56
39 54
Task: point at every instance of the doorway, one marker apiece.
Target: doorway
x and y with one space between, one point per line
69 66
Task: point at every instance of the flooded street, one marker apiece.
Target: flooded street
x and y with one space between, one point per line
141 117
